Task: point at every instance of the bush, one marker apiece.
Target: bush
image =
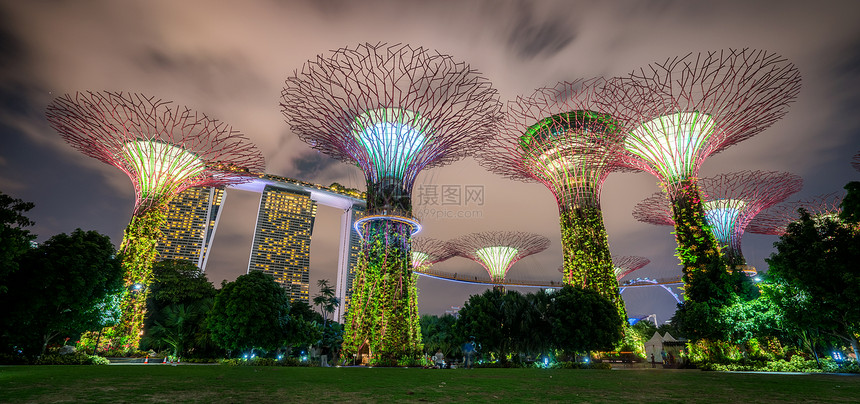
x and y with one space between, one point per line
502 365
582 365
796 364
288 362
77 358
200 360
9 359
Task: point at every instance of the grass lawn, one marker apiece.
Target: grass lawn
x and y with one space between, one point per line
218 383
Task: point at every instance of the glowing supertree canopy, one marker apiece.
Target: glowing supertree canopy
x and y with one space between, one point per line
428 251
855 162
498 251
775 220
567 139
164 149
393 111
730 202
628 264
685 109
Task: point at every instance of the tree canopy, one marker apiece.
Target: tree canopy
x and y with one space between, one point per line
250 312
14 238
64 287
817 276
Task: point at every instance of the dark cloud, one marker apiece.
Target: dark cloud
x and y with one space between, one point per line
312 165
531 36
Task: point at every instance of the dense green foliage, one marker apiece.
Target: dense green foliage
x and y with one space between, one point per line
14 238
178 302
137 253
437 334
587 260
816 277
851 203
571 319
250 312
64 287
697 248
382 319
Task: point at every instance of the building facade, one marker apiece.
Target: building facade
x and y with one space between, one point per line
282 239
192 217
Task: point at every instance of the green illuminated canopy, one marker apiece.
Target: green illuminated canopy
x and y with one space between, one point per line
497 260
160 167
672 144
391 137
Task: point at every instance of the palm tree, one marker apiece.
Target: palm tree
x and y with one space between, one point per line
326 300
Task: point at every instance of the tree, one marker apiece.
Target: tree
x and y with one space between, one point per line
250 312
816 262
64 287
14 239
851 203
583 320
326 299
481 317
179 299
437 333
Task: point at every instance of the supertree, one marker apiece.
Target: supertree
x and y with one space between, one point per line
565 138
498 251
730 202
855 162
428 251
627 264
393 111
685 109
164 149
775 220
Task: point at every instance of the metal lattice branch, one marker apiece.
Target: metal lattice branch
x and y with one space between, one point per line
498 251
855 162
687 108
428 251
566 137
775 220
731 201
627 264
164 149
393 110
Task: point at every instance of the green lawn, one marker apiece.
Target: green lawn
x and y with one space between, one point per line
217 383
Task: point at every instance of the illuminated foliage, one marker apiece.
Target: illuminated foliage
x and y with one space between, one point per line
392 110
568 138
498 251
164 150
687 108
731 202
383 317
587 259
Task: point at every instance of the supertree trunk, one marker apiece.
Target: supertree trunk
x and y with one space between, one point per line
697 248
138 253
383 313
587 261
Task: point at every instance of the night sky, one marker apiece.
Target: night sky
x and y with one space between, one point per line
230 60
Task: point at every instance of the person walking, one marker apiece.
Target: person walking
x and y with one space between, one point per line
469 351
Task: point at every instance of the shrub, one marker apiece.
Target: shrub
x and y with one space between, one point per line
582 365
77 358
288 362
